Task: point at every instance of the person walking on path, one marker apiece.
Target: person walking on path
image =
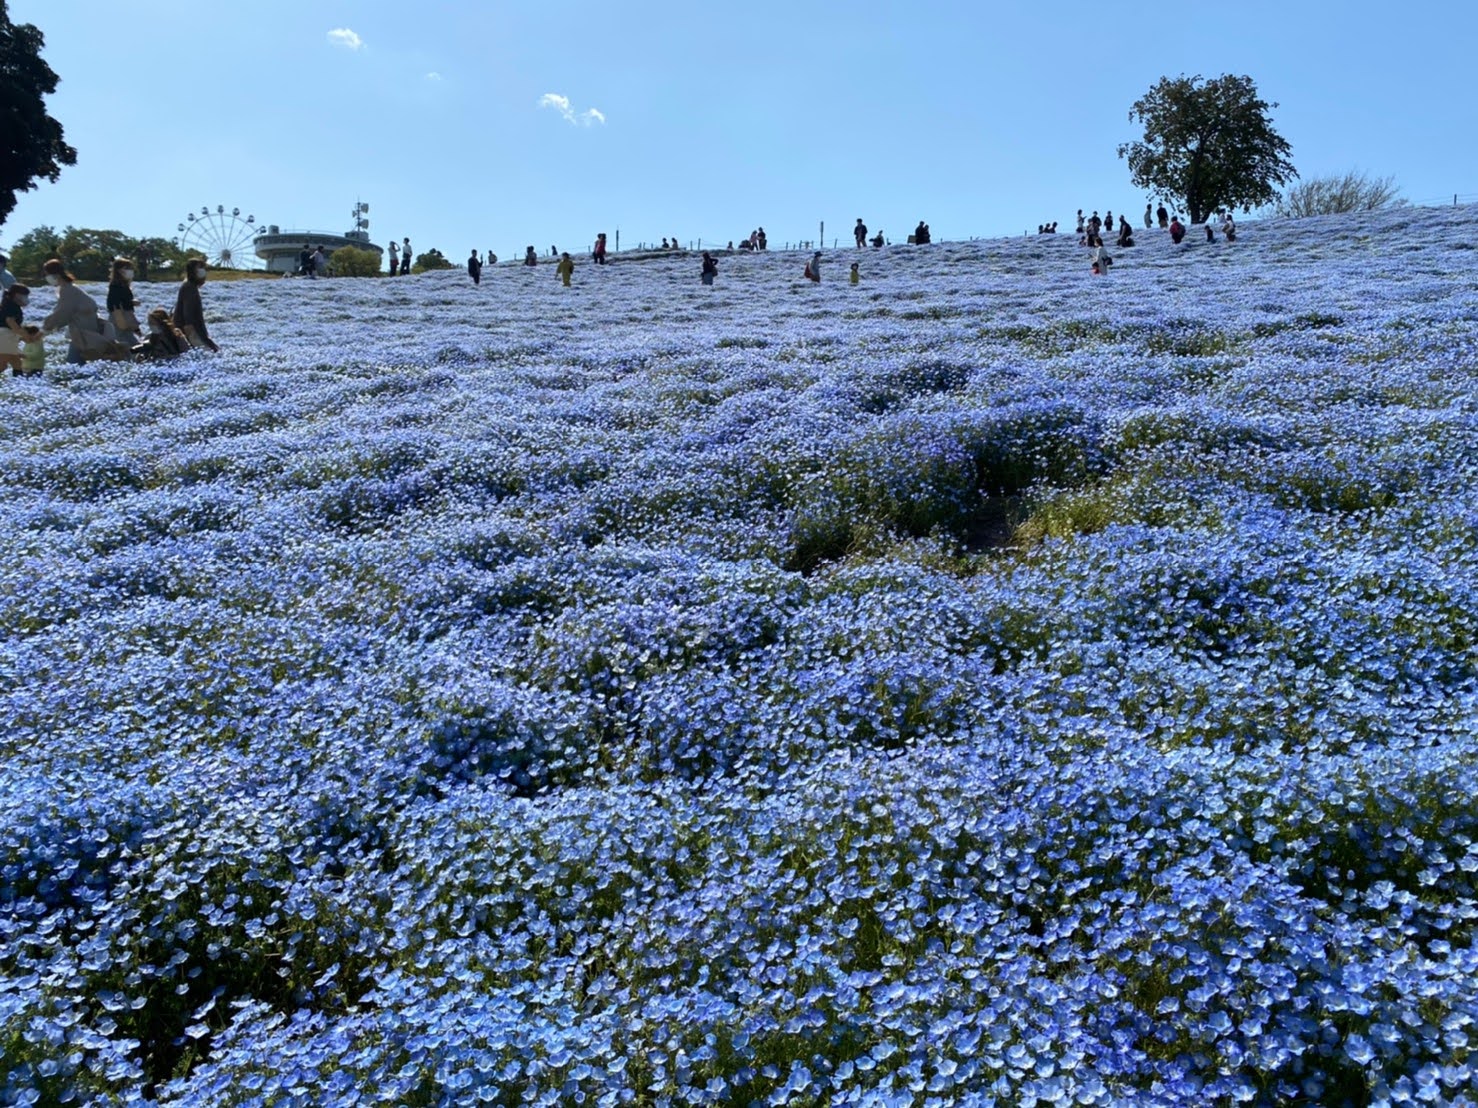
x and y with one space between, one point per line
394 257
474 267
710 268
189 311
77 312
565 268
121 303
813 268
12 325
859 233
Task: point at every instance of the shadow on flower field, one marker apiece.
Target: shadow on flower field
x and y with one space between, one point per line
985 684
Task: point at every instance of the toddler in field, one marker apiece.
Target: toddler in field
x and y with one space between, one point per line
855 276
33 351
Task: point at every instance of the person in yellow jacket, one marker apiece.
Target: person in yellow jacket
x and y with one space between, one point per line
565 268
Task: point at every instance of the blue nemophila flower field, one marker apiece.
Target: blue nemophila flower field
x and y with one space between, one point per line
988 684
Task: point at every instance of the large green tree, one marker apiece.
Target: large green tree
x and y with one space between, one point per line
1208 143
88 252
31 143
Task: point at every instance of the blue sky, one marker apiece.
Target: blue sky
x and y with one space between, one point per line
700 120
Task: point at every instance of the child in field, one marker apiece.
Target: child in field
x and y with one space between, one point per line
33 351
855 277
565 268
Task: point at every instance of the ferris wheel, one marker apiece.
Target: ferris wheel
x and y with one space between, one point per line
224 236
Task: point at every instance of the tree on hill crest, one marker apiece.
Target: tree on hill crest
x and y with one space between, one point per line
1208 143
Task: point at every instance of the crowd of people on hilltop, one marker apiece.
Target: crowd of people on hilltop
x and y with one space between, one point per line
115 332
1092 228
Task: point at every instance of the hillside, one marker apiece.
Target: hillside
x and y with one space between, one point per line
987 684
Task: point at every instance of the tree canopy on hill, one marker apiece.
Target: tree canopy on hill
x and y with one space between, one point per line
1334 195
1210 143
88 252
433 259
31 143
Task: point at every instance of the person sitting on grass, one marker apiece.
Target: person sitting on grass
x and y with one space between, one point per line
165 340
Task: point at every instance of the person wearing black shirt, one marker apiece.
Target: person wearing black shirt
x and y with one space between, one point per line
121 303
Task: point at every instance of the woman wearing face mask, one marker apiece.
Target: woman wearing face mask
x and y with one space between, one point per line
121 303
189 312
12 302
77 312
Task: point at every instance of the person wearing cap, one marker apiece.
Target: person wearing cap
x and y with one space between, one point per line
189 312
7 278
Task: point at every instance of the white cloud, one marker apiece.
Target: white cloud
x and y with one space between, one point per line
342 36
559 103
567 112
433 76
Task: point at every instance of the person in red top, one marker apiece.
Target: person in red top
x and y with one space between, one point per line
1177 229
599 253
